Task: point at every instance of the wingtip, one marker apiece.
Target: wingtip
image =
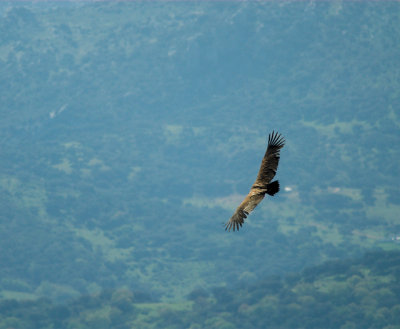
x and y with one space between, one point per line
234 226
276 139
228 226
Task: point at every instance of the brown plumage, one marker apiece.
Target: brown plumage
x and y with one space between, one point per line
263 183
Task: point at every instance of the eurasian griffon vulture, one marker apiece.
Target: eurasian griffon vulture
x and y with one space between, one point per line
263 183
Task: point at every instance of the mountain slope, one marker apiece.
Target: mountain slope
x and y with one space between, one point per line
129 131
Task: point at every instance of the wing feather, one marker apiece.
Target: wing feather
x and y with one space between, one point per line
245 208
269 163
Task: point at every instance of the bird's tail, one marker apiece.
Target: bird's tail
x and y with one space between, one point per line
273 188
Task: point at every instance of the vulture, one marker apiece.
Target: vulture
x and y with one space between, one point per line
262 185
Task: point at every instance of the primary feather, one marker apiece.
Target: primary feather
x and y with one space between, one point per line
262 185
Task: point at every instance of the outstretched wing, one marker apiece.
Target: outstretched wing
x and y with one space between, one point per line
270 162
246 207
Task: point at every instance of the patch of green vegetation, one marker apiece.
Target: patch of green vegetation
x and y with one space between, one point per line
17 295
332 130
389 246
65 166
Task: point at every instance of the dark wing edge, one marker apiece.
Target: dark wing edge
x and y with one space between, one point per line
246 207
236 220
269 163
275 142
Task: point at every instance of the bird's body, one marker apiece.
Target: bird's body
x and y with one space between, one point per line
262 185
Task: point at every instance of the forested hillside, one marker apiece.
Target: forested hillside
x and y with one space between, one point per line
130 131
362 293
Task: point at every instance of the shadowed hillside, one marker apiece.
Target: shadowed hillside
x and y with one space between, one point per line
358 293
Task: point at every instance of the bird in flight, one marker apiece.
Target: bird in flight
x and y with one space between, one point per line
262 185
